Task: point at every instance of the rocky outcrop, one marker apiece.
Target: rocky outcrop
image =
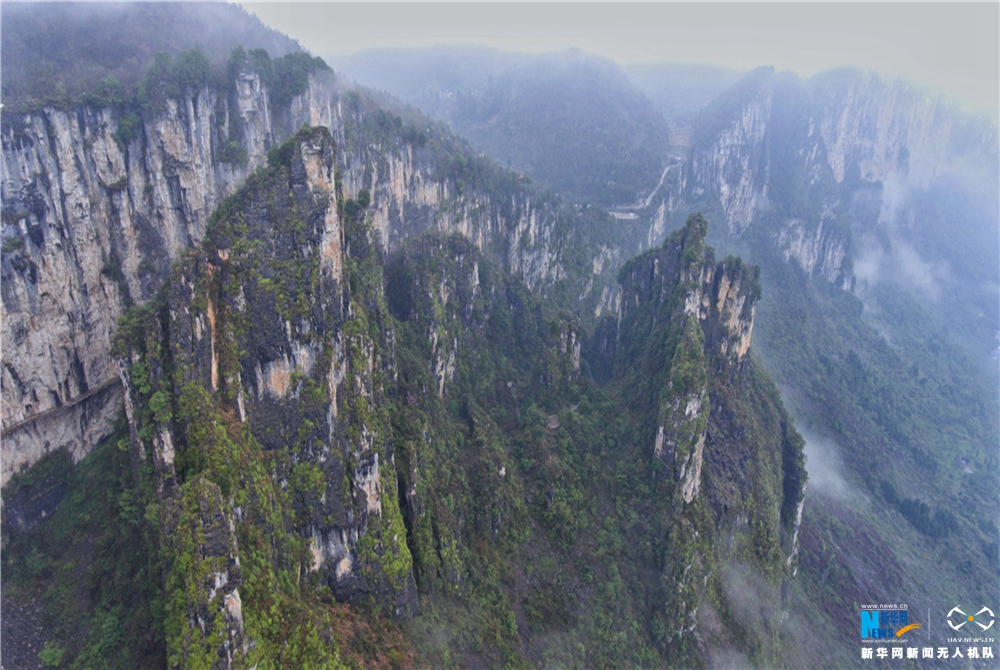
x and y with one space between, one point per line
98 203
710 306
683 335
312 359
257 382
101 204
784 158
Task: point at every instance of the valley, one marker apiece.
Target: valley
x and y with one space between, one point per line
661 367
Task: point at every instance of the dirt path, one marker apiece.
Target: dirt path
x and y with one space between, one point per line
61 408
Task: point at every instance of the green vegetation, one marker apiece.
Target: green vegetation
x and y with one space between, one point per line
62 55
174 78
284 77
51 656
499 501
416 435
572 121
534 504
889 385
353 209
219 465
94 564
913 404
137 83
13 244
579 127
235 154
918 513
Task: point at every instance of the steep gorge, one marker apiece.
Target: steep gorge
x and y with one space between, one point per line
95 215
788 160
357 367
871 208
297 429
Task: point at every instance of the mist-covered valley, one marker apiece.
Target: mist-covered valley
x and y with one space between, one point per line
467 357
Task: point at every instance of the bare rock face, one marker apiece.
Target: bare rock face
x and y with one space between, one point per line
734 163
783 157
98 204
710 305
96 207
879 127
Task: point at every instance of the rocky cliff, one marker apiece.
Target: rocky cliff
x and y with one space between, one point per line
786 159
101 209
735 164
258 378
99 202
682 351
352 361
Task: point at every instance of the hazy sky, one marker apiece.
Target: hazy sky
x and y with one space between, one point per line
949 46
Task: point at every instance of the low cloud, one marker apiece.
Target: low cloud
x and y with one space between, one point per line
727 659
825 467
896 261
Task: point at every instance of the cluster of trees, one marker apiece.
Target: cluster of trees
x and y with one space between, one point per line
55 53
580 127
573 122
938 523
191 70
284 77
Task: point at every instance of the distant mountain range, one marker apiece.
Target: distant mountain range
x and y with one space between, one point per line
573 121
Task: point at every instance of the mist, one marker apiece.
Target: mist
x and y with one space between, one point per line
48 54
898 262
929 235
825 467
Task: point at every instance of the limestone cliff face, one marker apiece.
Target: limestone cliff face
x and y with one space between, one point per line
682 275
817 250
783 157
685 325
533 238
100 212
257 384
734 164
878 127
97 205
